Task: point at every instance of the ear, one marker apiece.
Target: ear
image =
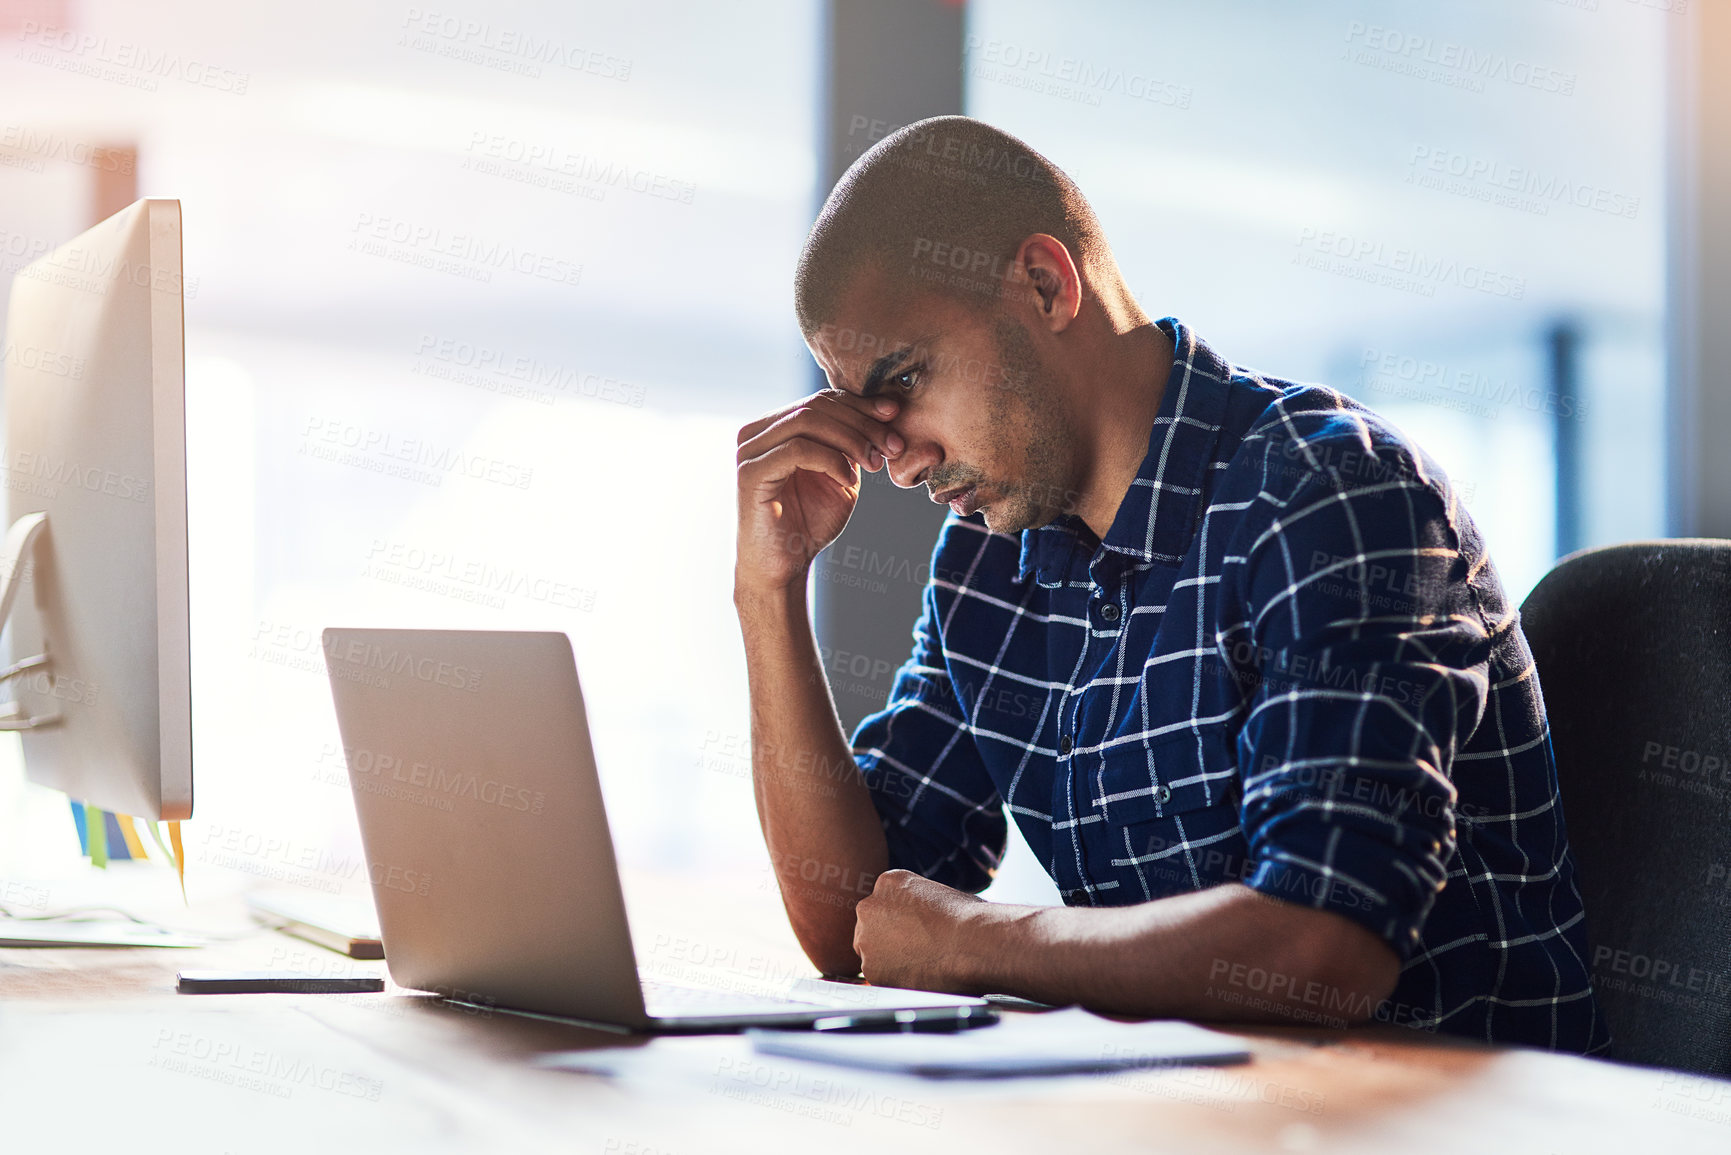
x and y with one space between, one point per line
1051 273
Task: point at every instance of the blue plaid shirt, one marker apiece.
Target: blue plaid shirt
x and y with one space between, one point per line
1290 664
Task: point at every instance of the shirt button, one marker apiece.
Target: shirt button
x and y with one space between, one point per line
1162 794
1065 746
1109 612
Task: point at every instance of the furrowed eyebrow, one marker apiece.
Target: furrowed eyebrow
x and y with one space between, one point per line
885 367
881 369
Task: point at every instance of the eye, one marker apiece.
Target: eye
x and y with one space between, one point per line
909 379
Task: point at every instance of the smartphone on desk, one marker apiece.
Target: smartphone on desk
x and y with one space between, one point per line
926 1020
281 982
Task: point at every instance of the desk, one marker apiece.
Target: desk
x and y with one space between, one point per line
98 1052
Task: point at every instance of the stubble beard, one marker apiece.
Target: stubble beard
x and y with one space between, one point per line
1031 426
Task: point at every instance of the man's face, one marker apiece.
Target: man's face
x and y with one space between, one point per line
983 416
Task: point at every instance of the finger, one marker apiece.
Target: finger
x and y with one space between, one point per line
821 425
880 407
856 413
772 469
873 421
758 424
871 415
867 414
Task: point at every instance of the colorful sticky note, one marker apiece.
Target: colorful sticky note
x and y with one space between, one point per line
179 856
129 834
98 836
78 821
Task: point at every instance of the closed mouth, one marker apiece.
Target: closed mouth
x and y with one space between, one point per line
950 495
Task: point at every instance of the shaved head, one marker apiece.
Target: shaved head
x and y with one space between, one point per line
961 275
942 203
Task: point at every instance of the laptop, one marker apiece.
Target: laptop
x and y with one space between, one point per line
491 861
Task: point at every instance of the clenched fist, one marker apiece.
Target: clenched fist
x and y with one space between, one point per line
915 933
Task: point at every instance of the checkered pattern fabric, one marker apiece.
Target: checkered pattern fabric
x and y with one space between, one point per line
1289 664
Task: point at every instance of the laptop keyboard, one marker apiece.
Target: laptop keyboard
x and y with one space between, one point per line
672 1000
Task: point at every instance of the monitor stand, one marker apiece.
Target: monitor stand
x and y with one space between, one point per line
76 931
20 544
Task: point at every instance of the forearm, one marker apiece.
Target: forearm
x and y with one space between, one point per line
1224 953
818 820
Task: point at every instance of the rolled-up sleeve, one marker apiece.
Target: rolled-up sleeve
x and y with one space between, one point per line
942 816
1370 654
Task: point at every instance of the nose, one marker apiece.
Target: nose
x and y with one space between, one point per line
911 464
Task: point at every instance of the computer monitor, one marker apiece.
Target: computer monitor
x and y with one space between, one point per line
95 566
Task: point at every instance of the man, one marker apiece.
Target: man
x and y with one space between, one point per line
1227 648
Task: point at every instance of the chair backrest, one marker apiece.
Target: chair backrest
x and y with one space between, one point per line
1633 647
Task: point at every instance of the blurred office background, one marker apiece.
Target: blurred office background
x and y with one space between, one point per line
1455 213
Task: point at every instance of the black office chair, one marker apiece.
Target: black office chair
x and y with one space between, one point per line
1633 646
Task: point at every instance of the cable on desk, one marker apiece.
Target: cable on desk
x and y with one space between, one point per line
77 914
93 913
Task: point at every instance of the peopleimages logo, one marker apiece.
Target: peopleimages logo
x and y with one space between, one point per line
462 254
120 61
50 361
504 48
384 451
246 1067
56 146
45 476
1399 267
1511 186
350 656
502 370
92 271
1066 77
19 249
552 160
819 1098
1448 62
1423 379
1653 976
471 579
370 770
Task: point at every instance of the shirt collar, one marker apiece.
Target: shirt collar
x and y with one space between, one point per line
1156 520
